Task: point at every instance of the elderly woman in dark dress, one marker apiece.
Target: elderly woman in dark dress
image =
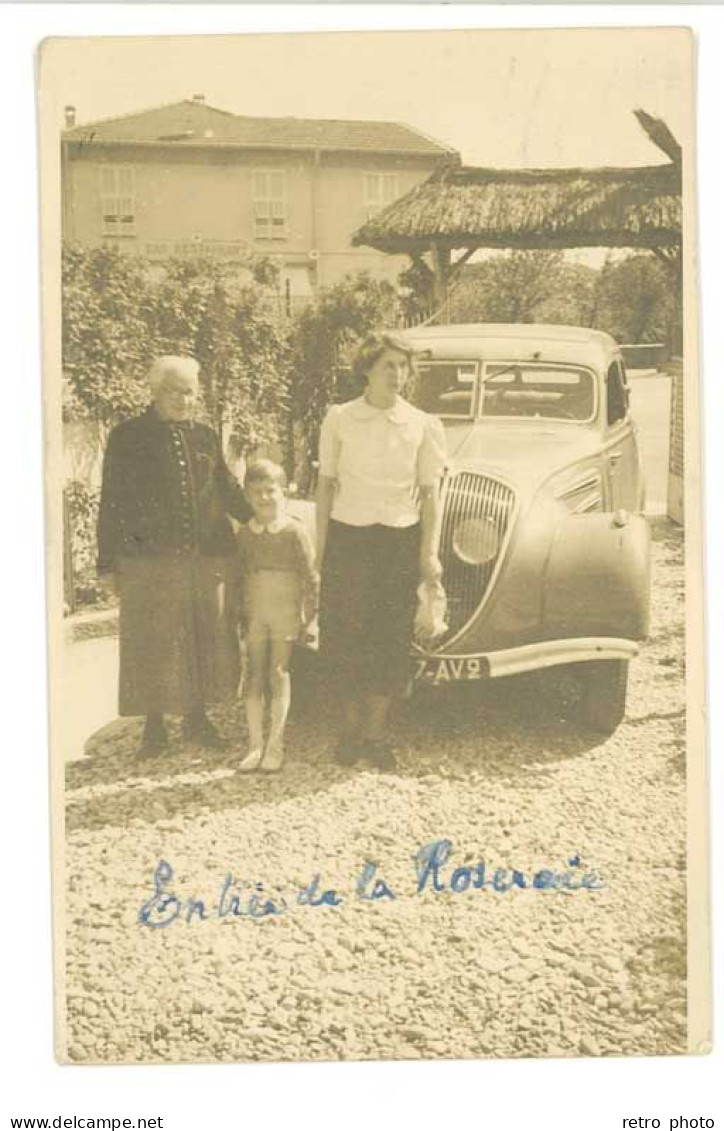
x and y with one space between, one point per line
164 533
377 519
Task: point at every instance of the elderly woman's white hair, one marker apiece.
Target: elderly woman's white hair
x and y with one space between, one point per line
163 367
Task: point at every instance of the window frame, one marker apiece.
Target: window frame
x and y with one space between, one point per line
268 199
117 200
577 367
437 362
616 367
373 206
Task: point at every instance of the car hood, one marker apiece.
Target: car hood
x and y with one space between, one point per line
523 453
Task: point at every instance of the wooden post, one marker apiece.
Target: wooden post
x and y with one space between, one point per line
440 272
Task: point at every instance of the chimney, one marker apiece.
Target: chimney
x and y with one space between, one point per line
69 117
199 99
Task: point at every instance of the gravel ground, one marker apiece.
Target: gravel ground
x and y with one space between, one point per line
501 770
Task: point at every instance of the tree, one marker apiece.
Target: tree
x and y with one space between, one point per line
634 299
506 288
324 339
229 325
106 343
638 301
416 291
574 302
119 312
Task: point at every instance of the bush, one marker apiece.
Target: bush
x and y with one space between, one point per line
119 312
106 343
81 503
324 340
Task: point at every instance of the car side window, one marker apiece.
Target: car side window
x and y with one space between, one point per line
616 399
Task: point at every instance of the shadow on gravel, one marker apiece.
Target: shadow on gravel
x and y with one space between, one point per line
658 716
474 732
668 532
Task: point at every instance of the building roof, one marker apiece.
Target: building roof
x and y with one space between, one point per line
533 208
192 123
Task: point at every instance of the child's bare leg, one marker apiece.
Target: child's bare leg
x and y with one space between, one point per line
258 659
280 683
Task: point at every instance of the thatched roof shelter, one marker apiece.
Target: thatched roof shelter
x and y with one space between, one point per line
465 208
460 207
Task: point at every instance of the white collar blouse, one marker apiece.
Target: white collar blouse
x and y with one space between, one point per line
378 458
271 527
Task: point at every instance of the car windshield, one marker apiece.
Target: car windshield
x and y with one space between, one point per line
537 390
446 388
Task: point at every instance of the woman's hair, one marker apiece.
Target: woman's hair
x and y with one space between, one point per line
372 349
162 366
262 470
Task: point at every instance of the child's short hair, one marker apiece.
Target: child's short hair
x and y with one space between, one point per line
262 470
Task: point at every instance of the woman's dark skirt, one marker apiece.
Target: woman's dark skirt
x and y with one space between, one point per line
370 576
179 647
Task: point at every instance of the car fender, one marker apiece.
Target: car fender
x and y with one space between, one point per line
597 577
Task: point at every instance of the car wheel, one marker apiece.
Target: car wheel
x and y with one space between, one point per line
603 704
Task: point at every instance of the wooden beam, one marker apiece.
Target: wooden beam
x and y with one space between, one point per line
461 261
440 273
666 239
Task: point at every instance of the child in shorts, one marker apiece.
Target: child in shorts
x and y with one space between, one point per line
280 590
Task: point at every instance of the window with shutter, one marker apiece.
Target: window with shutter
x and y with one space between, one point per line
270 216
118 200
381 190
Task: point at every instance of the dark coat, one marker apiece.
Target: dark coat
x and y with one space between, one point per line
166 490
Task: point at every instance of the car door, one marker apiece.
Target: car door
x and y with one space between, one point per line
621 455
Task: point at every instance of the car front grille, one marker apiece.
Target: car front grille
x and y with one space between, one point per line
472 502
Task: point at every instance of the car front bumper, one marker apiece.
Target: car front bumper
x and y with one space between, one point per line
526 658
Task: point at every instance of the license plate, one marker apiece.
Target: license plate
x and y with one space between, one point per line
448 670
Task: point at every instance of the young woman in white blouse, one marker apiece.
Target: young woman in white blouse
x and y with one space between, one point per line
377 517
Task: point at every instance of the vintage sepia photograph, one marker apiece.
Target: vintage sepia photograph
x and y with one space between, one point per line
374 546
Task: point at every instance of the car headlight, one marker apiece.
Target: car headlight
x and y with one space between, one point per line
476 541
